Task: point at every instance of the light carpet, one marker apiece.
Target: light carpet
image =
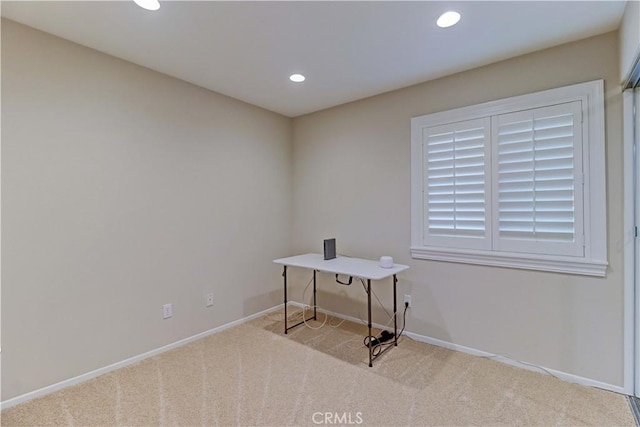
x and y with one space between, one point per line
254 375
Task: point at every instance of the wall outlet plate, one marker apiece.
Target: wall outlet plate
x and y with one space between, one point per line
209 300
407 300
167 311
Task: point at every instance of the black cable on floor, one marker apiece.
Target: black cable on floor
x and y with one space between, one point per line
377 348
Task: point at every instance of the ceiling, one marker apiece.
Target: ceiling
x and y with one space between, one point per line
347 50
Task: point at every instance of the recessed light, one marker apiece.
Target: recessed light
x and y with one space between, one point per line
297 78
148 4
448 19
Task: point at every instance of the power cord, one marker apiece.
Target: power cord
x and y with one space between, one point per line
306 307
337 324
381 341
375 295
364 322
375 341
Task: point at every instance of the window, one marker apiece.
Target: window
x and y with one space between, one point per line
518 182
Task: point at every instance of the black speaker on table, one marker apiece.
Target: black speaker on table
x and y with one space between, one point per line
329 249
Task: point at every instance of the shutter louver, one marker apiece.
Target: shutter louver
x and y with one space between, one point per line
536 174
454 165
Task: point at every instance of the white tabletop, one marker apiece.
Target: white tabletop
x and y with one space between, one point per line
362 268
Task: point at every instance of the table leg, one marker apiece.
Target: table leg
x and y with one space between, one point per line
284 274
369 324
315 314
286 320
395 312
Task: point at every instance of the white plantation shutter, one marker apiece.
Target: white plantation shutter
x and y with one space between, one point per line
455 165
517 182
537 180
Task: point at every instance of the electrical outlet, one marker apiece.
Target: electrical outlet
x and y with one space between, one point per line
407 300
209 300
167 311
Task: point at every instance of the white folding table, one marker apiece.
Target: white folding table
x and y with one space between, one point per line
352 267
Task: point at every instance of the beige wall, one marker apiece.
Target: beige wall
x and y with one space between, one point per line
629 38
122 190
352 182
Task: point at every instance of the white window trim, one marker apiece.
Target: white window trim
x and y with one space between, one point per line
594 262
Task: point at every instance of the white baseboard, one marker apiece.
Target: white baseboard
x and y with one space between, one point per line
422 338
524 365
472 351
135 359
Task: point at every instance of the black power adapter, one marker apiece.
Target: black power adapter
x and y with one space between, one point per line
384 337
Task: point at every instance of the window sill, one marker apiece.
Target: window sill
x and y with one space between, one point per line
557 264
